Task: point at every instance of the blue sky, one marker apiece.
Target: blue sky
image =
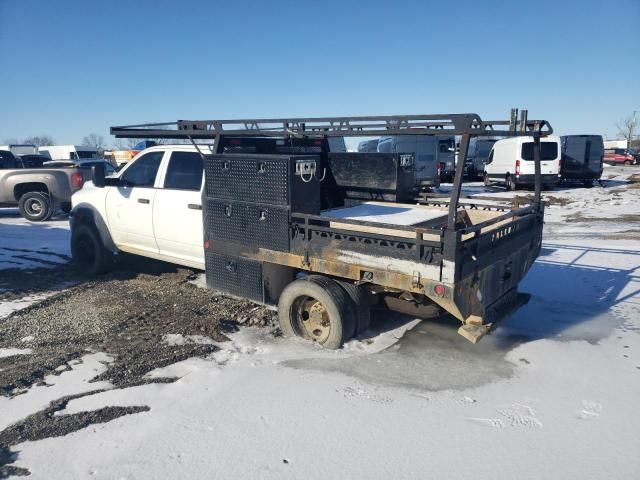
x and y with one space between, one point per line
73 67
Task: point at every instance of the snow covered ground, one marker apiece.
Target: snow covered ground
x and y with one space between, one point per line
552 393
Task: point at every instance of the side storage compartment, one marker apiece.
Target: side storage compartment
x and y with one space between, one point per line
256 281
251 224
387 176
280 180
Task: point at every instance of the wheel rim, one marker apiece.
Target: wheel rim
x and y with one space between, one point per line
33 207
311 319
85 251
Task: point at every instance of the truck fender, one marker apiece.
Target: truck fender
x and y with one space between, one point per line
87 214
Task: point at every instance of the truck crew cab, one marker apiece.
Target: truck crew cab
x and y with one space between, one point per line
280 219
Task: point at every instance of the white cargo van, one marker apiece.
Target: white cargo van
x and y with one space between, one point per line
511 162
69 152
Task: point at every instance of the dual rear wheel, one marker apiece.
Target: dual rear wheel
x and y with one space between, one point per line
323 310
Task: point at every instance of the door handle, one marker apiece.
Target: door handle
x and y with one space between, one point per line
143 200
194 206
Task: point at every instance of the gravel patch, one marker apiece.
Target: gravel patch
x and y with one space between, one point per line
144 321
127 315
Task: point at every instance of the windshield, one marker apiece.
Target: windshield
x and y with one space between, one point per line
484 147
548 151
86 154
446 145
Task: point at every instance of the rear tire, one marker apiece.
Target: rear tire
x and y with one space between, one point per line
35 206
628 162
360 299
316 308
587 183
88 252
509 183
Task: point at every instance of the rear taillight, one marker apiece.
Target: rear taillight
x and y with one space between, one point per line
439 168
517 167
77 180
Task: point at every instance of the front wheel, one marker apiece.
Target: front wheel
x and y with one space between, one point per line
35 206
316 309
87 251
628 162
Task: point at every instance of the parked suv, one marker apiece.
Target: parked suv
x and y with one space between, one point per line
619 156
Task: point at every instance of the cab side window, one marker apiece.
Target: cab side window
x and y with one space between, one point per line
490 159
143 171
184 171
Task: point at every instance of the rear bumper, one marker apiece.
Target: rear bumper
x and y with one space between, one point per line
546 179
577 176
492 266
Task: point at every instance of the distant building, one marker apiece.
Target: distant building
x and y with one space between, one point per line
615 143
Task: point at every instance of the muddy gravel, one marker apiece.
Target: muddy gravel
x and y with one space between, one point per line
129 315
126 314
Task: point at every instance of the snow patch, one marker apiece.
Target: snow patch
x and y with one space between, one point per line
10 352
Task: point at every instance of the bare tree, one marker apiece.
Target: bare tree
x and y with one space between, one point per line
40 140
94 140
627 127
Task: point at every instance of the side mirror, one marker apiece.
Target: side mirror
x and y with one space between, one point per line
97 175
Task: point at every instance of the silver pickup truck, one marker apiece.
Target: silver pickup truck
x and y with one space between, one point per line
38 192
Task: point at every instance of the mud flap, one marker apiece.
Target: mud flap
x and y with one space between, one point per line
475 327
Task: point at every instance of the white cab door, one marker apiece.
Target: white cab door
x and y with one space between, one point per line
177 210
130 205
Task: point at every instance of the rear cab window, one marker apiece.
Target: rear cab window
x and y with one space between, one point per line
184 172
548 151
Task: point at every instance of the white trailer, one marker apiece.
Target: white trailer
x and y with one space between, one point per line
69 152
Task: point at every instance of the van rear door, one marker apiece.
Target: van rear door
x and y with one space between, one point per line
549 157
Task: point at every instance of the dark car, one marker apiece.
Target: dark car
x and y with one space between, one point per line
477 155
7 159
582 157
31 160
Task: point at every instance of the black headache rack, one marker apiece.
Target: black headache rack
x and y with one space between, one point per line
299 131
264 219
